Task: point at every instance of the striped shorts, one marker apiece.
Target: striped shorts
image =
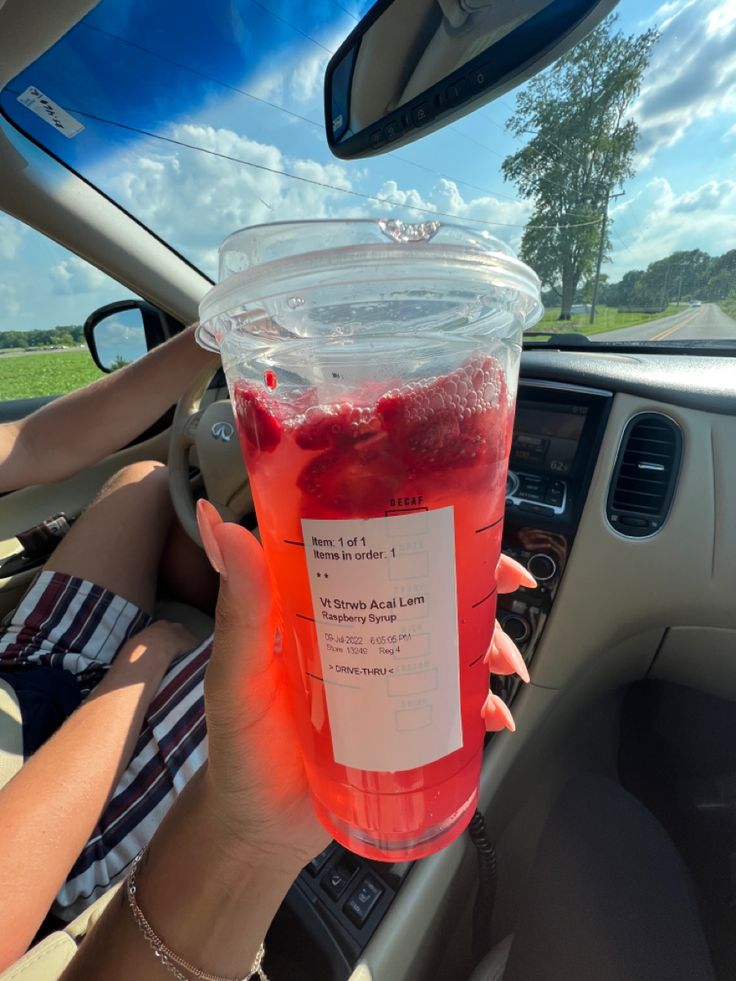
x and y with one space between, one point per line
70 623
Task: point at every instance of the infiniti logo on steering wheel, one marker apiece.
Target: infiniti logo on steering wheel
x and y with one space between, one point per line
223 430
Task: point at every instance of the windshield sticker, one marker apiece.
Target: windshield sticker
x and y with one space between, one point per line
54 115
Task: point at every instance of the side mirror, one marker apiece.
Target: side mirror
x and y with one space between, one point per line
413 66
122 332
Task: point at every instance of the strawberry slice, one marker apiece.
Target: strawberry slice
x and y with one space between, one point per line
450 421
256 419
356 477
335 425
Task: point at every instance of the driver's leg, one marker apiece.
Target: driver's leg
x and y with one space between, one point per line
117 543
185 573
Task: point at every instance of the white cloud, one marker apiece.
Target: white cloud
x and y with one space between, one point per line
707 197
300 81
74 275
9 303
656 222
505 219
11 235
194 199
692 75
305 82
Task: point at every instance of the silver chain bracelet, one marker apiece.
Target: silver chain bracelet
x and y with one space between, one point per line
171 961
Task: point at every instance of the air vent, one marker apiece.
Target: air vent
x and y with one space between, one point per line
645 475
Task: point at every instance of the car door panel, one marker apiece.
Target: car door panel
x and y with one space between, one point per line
15 409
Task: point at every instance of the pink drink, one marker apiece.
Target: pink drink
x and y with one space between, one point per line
361 603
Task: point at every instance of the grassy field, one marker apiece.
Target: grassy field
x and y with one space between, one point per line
25 376
606 318
729 307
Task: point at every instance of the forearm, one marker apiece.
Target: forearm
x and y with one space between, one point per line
111 412
213 909
50 808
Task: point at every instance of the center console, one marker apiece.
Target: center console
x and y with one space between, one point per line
557 433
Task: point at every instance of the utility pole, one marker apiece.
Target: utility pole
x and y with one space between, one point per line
601 246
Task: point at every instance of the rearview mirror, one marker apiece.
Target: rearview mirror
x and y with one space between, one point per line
122 332
413 66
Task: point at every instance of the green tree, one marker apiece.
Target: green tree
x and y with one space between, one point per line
581 144
585 293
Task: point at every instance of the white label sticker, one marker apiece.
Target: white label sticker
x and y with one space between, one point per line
54 115
385 605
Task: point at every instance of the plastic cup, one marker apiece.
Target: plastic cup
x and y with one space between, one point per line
373 369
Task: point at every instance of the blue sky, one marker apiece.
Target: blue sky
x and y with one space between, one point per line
683 195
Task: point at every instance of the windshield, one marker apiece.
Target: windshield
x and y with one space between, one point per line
611 174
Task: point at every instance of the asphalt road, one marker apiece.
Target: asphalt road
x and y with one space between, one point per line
708 322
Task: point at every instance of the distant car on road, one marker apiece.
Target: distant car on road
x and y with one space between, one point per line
695 303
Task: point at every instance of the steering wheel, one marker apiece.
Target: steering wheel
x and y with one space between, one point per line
211 431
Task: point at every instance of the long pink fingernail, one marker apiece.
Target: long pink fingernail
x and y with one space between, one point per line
514 655
526 578
494 705
207 519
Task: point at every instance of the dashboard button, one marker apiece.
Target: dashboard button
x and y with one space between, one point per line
335 880
533 493
376 138
318 861
542 566
362 901
456 91
392 131
478 78
536 508
421 114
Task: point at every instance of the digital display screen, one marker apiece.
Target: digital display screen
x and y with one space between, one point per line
546 436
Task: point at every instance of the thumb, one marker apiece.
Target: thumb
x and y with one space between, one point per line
244 630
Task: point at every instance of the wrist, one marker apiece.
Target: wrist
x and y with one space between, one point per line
239 841
128 668
211 898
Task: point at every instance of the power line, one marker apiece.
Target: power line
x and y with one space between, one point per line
201 74
312 122
623 243
288 112
345 10
288 23
483 146
308 180
456 180
453 127
531 133
601 248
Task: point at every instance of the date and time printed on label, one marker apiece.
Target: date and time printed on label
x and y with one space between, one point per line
384 596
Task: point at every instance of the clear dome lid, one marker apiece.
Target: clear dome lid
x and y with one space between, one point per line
278 265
